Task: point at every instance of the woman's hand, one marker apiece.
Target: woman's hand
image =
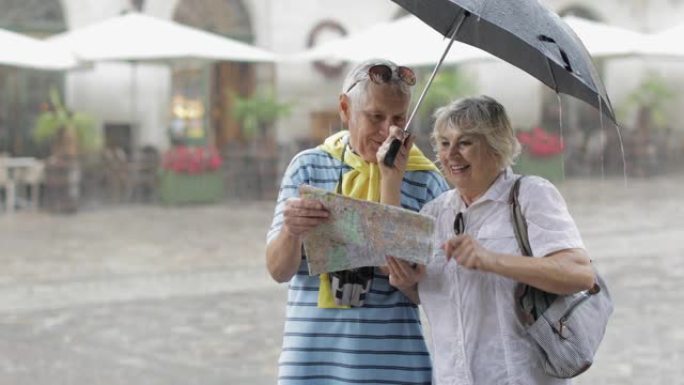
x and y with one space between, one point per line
302 215
403 275
469 253
563 272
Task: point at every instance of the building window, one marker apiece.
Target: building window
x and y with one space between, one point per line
210 89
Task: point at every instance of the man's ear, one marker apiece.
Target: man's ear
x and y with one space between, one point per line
344 109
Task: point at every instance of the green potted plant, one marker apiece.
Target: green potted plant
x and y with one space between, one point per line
258 113
254 165
70 135
447 85
648 102
650 99
191 174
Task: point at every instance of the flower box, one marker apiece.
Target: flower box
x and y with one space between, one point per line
549 167
542 154
176 188
191 175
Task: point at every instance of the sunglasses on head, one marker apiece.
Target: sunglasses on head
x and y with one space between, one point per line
382 73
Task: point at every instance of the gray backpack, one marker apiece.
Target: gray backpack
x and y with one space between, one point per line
566 328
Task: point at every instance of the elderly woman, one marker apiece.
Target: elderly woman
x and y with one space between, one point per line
467 289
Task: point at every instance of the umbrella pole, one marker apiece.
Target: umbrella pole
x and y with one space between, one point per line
434 71
396 143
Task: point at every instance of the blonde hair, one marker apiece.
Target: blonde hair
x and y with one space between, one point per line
484 116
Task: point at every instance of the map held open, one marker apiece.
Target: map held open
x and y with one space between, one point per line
361 233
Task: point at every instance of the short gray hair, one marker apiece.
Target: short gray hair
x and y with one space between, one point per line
484 116
357 79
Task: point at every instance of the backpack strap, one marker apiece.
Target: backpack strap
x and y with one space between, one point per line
518 219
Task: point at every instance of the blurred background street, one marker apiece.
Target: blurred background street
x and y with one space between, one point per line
157 295
142 143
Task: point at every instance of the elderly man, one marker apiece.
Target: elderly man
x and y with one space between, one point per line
353 326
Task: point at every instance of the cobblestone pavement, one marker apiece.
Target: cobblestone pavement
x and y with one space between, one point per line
151 295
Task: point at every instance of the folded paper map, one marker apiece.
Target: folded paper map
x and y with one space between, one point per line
361 233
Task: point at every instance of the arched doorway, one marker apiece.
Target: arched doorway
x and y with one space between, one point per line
23 91
231 19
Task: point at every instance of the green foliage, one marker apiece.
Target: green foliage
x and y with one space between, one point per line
257 113
652 94
58 118
449 84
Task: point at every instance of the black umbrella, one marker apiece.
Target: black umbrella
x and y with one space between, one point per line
523 33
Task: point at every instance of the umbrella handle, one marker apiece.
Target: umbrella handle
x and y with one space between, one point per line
392 152
396 143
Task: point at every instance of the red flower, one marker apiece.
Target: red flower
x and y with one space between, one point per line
214 159
195 160
540 143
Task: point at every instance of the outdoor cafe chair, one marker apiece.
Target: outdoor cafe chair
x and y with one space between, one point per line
32 177
6 186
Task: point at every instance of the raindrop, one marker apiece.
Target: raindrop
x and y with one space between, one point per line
481 11
602 137
562 138
622 152
619 135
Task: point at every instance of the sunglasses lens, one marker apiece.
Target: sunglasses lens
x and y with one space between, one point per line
380 73
407 75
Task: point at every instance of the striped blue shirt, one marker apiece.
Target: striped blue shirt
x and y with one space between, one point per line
379 343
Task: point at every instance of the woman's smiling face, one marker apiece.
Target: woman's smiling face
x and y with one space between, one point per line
468 162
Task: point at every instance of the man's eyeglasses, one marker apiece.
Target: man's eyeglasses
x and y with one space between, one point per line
382 73
459 224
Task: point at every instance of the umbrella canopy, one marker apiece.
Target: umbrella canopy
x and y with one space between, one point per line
23 51
523 33
138 37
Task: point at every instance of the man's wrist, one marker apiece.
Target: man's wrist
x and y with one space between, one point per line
393 179
292 237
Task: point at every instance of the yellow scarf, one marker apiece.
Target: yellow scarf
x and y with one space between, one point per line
361 182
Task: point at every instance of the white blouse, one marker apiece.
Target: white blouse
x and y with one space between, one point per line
477 337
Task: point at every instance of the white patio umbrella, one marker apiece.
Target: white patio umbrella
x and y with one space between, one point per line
605 40
409 41
138 37
22 51
667 43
